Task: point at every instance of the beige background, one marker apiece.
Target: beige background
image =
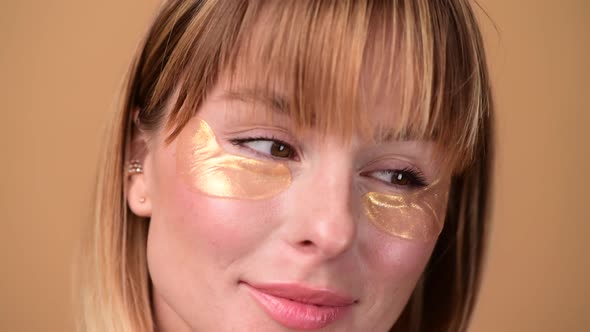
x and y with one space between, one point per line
61 64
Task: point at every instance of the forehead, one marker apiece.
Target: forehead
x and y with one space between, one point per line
343 69
340 70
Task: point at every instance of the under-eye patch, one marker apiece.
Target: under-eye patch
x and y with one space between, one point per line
412 216
208 168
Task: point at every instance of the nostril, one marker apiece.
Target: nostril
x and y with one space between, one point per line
306 243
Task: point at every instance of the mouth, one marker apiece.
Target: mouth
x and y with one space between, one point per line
298 307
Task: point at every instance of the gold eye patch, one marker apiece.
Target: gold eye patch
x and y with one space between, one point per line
415 216
208 168
211 170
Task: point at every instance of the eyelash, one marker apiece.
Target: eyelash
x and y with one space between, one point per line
241 141
415 177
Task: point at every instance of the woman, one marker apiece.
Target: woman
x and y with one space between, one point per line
295 165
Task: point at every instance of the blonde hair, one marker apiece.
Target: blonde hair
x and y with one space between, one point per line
328 58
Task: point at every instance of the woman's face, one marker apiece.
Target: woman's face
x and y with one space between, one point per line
257 227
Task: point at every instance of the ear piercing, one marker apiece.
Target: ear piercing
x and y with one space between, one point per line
135 167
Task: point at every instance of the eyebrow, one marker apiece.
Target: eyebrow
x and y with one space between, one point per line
273 101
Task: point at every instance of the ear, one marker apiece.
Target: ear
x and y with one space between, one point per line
138 193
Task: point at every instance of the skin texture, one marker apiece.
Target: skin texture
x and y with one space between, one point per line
314 233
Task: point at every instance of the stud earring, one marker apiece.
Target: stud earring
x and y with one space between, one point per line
142 200
135 167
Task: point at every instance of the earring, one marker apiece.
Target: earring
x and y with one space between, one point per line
135 167
142 200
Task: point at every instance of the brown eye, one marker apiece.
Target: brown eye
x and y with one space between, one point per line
281 150
271 148
400 179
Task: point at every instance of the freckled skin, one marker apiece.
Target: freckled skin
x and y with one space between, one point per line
313 232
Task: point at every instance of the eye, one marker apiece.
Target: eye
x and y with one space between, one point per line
401 178
269 147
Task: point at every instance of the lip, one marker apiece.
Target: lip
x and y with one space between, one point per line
299 307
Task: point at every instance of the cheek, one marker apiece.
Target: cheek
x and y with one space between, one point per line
398 260
405 232
204 228
394 266
403 236
194 238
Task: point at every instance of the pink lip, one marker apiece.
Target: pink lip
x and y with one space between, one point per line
299 307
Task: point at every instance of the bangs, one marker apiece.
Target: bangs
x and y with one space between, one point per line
332 64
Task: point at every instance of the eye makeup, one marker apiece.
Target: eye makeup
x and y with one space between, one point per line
413 216
209 169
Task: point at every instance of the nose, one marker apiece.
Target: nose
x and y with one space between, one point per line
321 215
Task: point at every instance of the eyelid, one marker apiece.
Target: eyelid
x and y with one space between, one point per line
399 163
241 141
417 176
418 183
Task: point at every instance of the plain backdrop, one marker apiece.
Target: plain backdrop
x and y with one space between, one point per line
61 67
